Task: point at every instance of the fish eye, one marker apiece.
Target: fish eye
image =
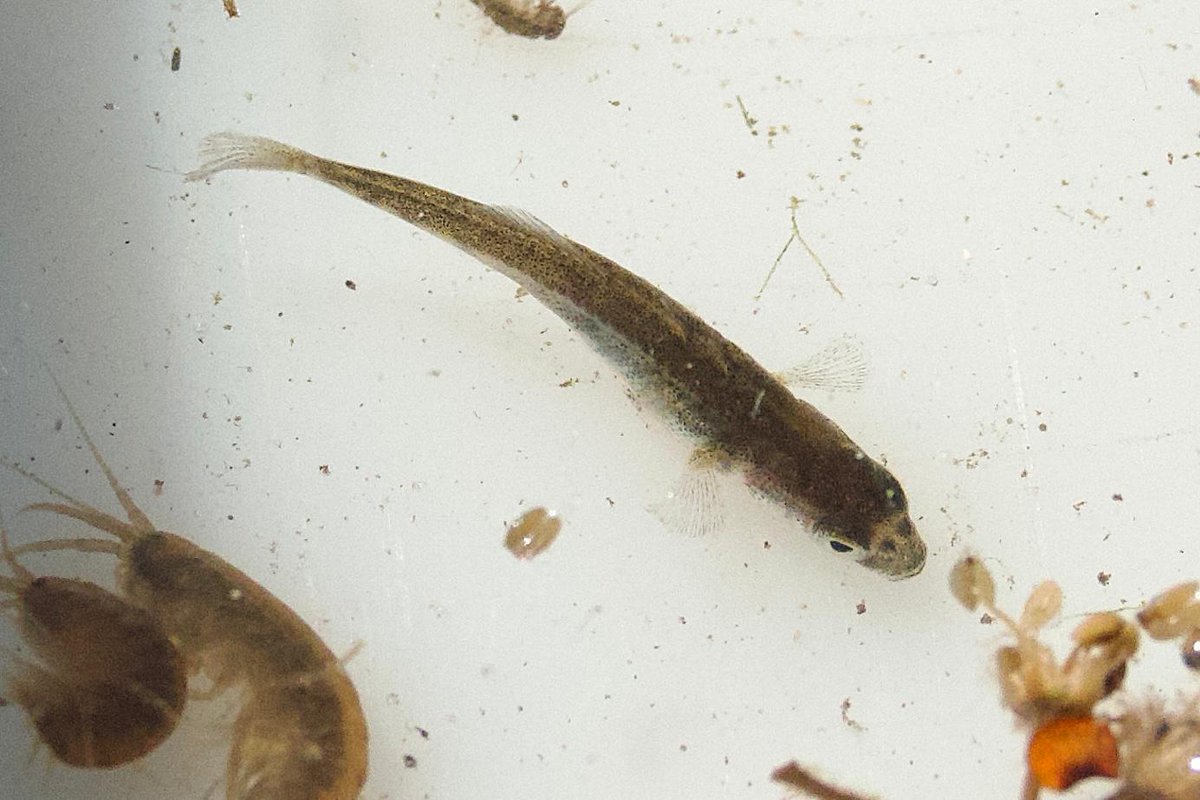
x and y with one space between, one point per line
840 547
1191 651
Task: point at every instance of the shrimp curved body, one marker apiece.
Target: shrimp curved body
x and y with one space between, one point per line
300 733
108 686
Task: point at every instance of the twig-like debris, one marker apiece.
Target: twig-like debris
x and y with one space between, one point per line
746 118
795 776
796 237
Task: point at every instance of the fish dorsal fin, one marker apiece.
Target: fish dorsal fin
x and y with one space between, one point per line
840 366
528 222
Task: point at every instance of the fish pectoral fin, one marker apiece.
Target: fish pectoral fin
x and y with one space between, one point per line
695 506
709 457
840 366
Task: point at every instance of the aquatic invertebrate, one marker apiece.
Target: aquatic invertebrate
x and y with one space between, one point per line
107 685
300 733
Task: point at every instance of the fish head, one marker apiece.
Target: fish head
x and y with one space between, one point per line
889 545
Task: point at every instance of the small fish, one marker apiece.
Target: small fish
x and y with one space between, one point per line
533 19
741 414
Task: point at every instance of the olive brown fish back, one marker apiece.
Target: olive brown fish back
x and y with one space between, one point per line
702 381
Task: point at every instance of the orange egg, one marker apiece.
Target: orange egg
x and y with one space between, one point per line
1066 750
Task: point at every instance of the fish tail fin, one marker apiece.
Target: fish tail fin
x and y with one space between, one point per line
222 151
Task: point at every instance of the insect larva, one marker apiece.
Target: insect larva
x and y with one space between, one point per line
300 733
108 685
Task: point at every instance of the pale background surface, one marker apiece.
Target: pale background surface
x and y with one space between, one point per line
1000 191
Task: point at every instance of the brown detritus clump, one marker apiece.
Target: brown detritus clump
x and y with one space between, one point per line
1175 614
1034 684
535 531
1056 701
1159 750
108 686
533 19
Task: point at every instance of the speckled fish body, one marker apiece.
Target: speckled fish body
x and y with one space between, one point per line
704 383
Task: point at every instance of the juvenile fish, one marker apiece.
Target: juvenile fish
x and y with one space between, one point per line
741 414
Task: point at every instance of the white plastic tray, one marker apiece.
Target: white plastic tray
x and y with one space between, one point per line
1001 192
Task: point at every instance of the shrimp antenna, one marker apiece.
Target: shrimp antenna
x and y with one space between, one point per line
21 573
77 509
136 515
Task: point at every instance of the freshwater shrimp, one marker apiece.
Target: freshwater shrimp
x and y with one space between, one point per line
533 19
300 733
108 685
705 385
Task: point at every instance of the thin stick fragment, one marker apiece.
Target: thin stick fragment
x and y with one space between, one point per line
746 118
793 775
796 237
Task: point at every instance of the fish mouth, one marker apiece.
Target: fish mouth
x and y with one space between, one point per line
897 550
896 570
893 548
